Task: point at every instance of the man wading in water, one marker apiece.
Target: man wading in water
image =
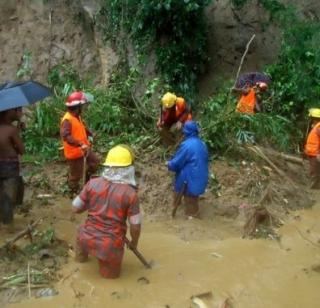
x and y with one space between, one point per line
110 200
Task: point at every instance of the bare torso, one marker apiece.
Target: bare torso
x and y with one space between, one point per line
10 142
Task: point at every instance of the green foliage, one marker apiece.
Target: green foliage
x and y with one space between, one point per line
272 6
25 69
45 240
296 73
114 116
42 133
176 29
64 78
239 3
223 128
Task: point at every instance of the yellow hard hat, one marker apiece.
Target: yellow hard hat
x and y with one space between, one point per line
314 113
129 149
119 156
168 100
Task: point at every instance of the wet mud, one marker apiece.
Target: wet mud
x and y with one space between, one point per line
190 257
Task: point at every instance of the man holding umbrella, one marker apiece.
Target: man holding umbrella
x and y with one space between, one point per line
75 140
12 97
250 86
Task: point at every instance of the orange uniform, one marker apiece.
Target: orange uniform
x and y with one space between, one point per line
247 102
312 147
78 132
179 112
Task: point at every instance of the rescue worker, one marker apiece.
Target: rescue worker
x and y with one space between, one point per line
312 147
190 164
76 145
174 112
110 200
250 98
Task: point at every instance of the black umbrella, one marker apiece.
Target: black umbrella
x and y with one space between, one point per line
251 79
19 94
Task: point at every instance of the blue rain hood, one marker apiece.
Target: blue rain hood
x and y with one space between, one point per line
190 163
190 128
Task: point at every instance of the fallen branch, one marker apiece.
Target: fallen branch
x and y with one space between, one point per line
259 152
29 281
32 286
259 215
69 275
240 65
292 159
265 195
243 57
286 157
21 234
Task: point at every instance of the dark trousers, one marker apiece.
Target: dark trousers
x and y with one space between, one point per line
314 172
11 187
76 170
191 204
8 198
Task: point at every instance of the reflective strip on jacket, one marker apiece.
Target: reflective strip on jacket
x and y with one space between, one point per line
78 132
312 147
247 102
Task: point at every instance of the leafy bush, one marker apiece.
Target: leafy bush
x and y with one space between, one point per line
272 6
175 28
115 116
296 73
223 128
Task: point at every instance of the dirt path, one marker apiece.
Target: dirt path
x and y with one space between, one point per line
252 273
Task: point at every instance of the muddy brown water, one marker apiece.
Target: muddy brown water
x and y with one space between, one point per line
251 273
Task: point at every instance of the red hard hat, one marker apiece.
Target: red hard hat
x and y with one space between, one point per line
76 98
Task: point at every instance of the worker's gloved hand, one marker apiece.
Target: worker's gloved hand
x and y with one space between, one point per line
318 158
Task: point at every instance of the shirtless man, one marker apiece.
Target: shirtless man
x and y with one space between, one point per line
11 146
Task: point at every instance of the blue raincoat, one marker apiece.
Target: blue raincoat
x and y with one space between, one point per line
190 163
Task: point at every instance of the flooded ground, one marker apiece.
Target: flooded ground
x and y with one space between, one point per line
192 257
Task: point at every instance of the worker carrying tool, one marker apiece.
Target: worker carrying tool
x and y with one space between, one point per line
190 164
110 201
76 145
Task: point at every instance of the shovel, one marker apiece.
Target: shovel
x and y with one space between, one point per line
138 254
177 200
84 170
